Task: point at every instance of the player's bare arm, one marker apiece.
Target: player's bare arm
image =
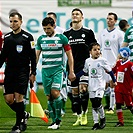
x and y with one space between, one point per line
71 75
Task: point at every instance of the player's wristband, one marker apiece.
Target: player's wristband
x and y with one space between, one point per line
112 76
80 73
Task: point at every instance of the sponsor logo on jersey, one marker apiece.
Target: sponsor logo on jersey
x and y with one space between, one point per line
77 40
51 45
93 71
19 48
107 43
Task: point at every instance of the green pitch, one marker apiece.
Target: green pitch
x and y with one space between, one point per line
36 125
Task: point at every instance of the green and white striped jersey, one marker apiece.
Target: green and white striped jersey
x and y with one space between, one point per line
52 50
128 38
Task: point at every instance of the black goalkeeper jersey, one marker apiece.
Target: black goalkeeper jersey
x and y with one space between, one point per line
18 51
79 41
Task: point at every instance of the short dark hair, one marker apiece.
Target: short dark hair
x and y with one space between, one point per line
48 20
77 9
15 13
52 13
115 16
123 23
93 44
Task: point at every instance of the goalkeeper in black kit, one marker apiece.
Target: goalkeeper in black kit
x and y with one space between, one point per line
80 39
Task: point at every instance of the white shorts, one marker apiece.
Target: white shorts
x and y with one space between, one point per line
63 93
98 93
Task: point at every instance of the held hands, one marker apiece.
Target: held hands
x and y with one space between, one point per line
71 76
114 84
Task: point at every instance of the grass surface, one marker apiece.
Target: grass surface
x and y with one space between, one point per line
36 125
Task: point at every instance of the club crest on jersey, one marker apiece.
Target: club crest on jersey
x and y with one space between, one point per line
83 35
125 69
56 41
19 48
98 64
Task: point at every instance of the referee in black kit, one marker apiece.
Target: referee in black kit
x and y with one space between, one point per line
18 53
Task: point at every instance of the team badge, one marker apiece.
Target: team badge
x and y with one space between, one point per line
19 48
32 43
56 41
83 35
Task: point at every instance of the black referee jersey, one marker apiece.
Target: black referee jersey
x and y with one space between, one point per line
79 41
18 51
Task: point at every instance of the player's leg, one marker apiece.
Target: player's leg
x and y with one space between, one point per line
22 86
128 102
112 99
84 95
9 99
119 103
57 100
63 93
46 81
107 96
98 99
76 100
69 94
112 96
107 91
17 83
94 111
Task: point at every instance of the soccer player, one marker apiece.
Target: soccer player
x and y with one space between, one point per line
52 45
128 38
123 25
54 16
63 91
79 39
18 52
110 40
124 88
96 67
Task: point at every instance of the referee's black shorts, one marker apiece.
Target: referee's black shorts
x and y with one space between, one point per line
16 80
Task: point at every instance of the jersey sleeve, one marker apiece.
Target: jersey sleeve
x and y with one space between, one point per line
32 55
3 55
106 65
121 38
64 40
91 37
86 69
38 46
131 68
